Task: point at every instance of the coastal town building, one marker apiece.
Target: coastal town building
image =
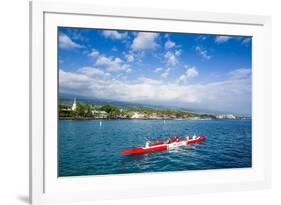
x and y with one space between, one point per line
100 114
137 115
226 116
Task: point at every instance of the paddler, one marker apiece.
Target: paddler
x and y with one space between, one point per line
147 144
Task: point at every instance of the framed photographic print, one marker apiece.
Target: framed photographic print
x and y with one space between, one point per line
127 102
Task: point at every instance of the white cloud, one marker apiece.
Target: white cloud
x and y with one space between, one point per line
166 73
240 73
66 43
178 52
129 70
189 73
72 82
169 44
112 64
222 39
157 70
246 41
94 53
93 72
202 37
171 57
114 34
130 58
144 41
202 52
232 95
145 80
133 57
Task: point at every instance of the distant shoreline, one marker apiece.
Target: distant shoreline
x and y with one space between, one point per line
131 119
79 111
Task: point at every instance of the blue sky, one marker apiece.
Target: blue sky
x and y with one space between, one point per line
199 71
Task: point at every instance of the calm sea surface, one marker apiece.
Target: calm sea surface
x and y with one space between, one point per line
86 148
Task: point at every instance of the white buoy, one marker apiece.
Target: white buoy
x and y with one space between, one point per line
100 123
164 121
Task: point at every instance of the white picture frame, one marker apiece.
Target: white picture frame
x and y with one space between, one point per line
46 187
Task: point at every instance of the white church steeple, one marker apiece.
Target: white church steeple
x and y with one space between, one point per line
74 106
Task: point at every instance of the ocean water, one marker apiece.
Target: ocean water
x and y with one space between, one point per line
86 148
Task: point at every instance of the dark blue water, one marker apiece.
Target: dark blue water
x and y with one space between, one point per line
85 148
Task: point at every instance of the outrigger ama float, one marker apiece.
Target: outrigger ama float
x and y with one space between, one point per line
163 146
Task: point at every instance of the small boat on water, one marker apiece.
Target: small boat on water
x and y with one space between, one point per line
164 146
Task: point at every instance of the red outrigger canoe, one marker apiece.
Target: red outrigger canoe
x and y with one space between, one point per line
163 146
